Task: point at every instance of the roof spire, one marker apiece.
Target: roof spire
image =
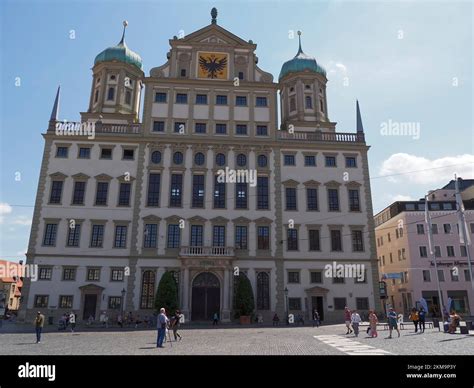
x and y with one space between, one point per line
300 50
360 127
214 15
55 111
125 24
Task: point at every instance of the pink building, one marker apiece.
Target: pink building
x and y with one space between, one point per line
402 248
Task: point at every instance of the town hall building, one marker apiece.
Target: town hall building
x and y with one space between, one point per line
146 194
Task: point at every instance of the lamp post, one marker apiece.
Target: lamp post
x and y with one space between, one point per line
286 303
122 305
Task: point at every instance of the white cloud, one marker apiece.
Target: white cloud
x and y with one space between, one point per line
426 171
21 253
337 67
400 197
5 208
22 220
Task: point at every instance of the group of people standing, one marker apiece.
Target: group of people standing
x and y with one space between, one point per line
353 321
164 324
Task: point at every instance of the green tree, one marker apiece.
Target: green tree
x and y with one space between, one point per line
167 294
244 302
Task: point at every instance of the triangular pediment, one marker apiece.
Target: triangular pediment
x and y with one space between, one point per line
80 176
263 220
241 220
103 177
214 34
219 219
312 182
197 219
290 182
152 217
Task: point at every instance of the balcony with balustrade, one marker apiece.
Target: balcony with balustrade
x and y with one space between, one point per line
206 251
336 137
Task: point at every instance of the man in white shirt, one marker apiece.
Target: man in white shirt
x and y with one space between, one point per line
355 320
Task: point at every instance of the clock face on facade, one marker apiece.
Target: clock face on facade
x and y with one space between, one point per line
212 65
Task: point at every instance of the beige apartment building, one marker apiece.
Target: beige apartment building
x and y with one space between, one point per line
115 212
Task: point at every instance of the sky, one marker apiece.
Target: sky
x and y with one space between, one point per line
410 64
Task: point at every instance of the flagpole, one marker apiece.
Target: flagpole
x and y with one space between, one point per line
433 256
463 231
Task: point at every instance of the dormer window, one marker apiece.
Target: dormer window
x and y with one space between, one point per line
183 72
97 81
112 77
307 86
308 102
321 105
96 96
111 94
292 89
128 97
292 104
241 75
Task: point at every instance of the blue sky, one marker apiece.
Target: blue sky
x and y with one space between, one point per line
406 62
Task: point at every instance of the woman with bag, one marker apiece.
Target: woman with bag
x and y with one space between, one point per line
415 318
373 320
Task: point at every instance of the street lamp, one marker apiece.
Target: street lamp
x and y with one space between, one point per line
122 304
286 303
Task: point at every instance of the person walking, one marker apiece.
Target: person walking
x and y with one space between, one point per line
175 325
392 322
215 319
161 325
421 317
373 320
414 317
316 319
72 321
347 319
276 320
39 323
355 321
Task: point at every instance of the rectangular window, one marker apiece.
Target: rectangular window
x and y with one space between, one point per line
198 191
158 126
176 190
93 274
241 190
201 99
65 301
153 198
354 202
339 303
294 303
106 153
241 100
420 229
179 127
312 199
362 304
314 240
120 240
241 129
56 191
160 97
333 200
338 280
426 275
357 241
467 275
79 193
128 154
84 153
423 252
69 274
262 192
290 195
310 160
181 98
330 161
115 302
219 194
434 228
150 236
124 194
174 236
441 275
97 236
41 301
316 277
197 236
292 239
200 128
102 192
241 237
454 276
263 237
351 162
218 236
73 235
463 251
262 130
336 241
450 251
45 273
447 228
50 232
289 160
261 101
437 251
221 100
221 129
293 277
62 152
117 275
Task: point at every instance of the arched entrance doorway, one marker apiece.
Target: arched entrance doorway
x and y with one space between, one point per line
206 297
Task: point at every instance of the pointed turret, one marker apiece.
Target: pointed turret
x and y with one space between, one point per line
360 127
55 111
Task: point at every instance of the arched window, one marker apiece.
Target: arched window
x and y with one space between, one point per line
111 94
96 97
263 291
128 97
148 290
220 159
292 104
241 160
178 158
308 102
199 158
262 161
156 157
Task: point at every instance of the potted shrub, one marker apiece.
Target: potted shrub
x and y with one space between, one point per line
244 302
167 294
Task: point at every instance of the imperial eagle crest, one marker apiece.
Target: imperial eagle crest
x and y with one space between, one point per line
212 65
